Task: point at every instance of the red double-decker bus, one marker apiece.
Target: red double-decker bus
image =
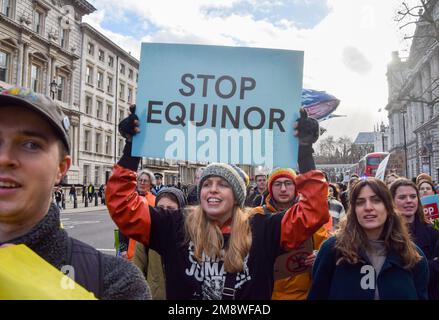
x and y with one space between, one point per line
368 165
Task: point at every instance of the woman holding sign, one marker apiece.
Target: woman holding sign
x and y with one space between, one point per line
219 249
408 202
426 188
371 256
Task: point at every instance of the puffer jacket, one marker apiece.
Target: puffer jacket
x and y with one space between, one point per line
297 287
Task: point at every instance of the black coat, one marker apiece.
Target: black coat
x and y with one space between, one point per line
192 197
427 238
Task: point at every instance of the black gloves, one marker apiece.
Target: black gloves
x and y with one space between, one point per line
308 133
128 127
308 129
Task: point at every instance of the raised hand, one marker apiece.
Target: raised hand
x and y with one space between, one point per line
307 129
129 126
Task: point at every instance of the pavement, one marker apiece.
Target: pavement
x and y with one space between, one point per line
81 207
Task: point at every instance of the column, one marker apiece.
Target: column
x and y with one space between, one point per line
20 64
49 77
435 77
71 92
26 62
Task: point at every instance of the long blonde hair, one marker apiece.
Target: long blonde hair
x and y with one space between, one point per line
208 238
350 237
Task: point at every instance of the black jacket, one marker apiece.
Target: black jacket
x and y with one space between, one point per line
120 279
192 197
427 238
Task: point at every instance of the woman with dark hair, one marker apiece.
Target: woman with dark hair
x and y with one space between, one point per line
371 256
408 202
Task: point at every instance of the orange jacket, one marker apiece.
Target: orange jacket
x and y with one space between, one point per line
131 242
131 212
297 287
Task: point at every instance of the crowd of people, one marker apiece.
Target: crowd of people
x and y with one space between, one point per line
224 239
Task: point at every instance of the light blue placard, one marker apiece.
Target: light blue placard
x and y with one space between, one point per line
175 79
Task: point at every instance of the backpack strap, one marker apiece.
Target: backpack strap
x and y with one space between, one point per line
229 290
88 266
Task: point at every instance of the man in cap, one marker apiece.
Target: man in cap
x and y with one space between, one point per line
34 157
158 183
256 195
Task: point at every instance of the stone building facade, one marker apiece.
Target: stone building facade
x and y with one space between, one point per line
45 46
108 88
413 106
39 43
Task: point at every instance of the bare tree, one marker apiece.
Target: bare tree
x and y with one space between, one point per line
338 151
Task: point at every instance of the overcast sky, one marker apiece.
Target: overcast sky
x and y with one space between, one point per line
347 43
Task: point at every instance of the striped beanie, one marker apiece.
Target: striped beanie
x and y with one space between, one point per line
234 176
177 193
280 173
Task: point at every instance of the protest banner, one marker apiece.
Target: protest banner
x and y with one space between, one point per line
292 263
430 204
218 104
381 170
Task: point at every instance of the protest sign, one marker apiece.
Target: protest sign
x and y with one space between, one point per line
381 170
218 104
430 205
292 263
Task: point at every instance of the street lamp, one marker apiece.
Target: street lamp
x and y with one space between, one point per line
403 112
53 88
382 130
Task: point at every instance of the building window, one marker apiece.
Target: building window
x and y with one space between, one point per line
109 116
97 180
39 22
130 74
110 84
98 142
121 115
108 145
122 91
35 76
6 8
122 68
87 141
91 49
88 105
137 77
64 40
121 146
61 88
89 75
111 61
130 95
86 174
99 106
100 80
101 55
4 66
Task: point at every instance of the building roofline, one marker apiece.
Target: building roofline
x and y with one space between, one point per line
85 6
122 52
